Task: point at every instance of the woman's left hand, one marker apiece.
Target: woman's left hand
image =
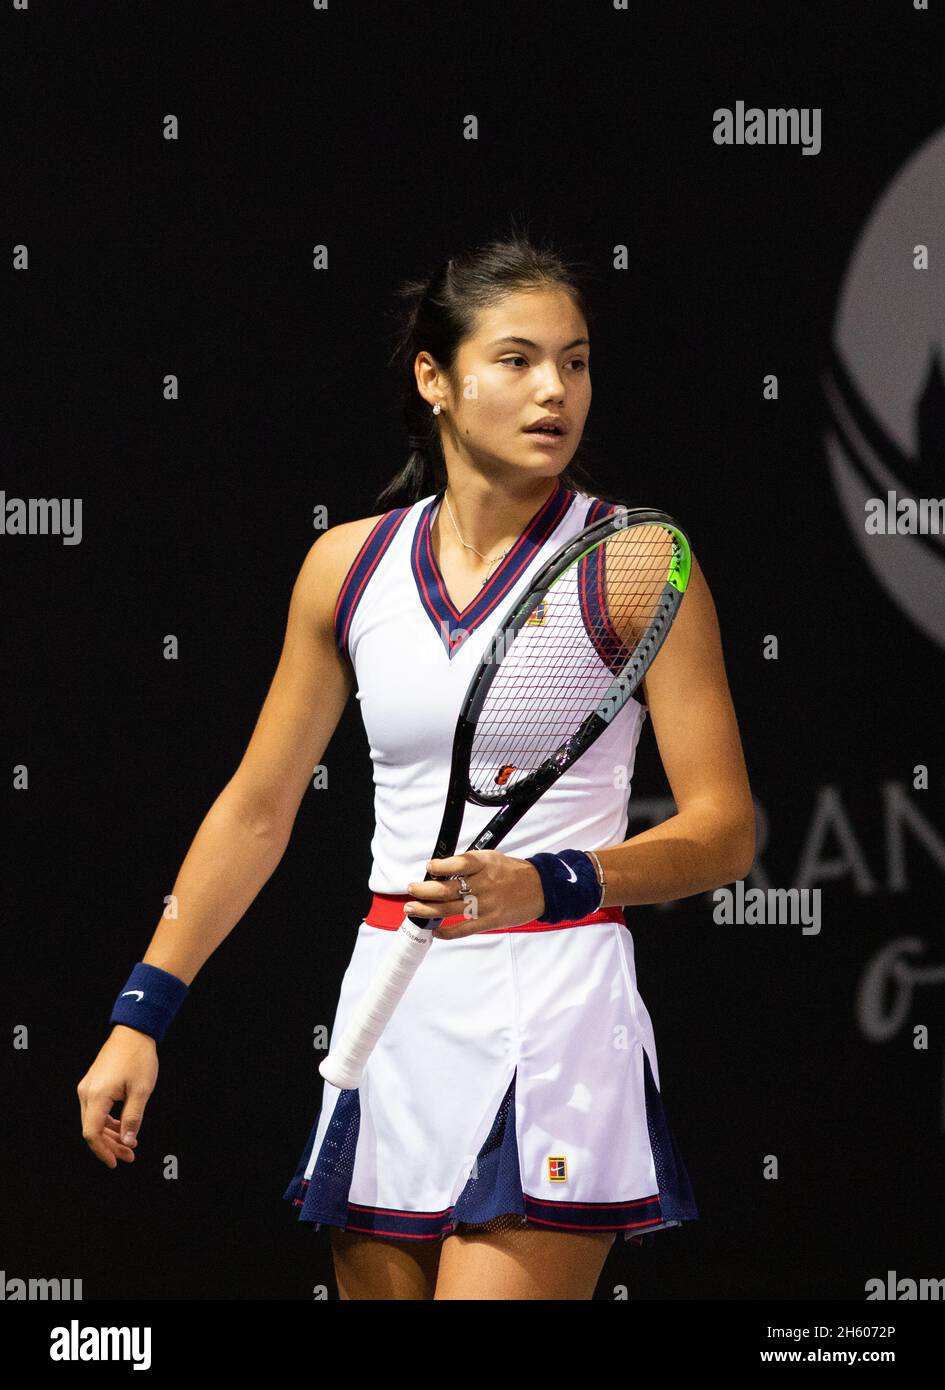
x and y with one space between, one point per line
503 892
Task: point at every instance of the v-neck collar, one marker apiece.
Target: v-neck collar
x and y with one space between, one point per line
452 625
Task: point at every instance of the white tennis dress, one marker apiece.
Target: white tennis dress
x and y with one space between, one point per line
517 1074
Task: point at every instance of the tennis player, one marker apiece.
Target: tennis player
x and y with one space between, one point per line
509 1125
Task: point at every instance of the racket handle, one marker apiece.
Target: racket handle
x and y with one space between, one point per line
345 1062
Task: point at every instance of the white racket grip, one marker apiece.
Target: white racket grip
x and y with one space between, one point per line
345 1062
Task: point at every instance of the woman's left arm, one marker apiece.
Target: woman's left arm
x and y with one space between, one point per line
711 839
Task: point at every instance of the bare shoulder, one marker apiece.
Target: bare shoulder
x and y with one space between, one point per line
327 563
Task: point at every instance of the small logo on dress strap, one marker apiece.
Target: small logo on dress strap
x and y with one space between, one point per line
558 1169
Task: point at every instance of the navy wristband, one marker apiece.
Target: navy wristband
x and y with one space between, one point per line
570 883
149 1000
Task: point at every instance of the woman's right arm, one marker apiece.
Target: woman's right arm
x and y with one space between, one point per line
244 834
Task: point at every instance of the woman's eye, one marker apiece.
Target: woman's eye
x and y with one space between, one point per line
509 361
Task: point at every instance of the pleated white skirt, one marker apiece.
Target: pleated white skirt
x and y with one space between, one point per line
518 1074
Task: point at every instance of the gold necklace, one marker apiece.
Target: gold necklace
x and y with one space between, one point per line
472 547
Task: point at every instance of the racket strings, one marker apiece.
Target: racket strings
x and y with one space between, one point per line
557 668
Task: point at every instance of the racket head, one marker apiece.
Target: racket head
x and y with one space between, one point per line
570 653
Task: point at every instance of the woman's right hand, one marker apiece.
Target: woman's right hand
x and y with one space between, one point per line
125 1069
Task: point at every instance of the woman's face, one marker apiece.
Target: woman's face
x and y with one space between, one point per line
529 357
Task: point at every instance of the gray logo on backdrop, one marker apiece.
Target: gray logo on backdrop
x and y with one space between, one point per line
886 391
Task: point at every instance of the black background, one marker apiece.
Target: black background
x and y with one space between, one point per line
345 128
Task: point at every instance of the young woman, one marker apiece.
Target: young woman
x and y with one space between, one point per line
509 1123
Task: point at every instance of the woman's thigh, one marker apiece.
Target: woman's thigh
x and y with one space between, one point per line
521 1262
376 1267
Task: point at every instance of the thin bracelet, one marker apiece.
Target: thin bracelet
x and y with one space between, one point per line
600 876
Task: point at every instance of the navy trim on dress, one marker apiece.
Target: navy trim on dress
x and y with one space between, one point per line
494 1186
452 626
360 571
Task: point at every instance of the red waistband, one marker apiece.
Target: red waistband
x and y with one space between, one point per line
387 912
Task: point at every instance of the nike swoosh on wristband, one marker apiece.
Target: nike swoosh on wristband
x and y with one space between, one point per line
138 992
572 876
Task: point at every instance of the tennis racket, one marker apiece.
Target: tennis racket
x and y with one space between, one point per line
565 660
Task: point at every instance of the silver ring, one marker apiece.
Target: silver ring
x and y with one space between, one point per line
463 885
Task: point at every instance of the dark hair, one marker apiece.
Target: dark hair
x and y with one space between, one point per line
439 313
